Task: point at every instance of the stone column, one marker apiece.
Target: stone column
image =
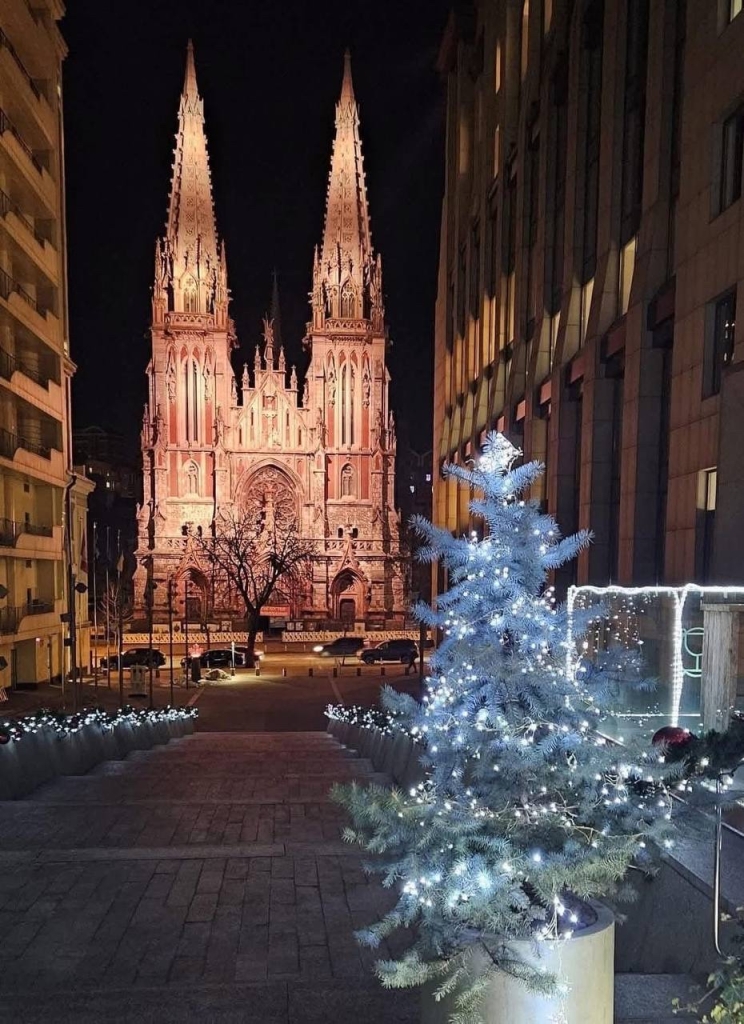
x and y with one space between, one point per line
720 663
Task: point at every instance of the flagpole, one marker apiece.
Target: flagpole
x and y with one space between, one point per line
120 609
95 610
108 607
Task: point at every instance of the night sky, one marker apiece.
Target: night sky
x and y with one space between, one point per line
270 74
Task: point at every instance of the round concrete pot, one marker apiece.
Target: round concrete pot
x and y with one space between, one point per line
584 964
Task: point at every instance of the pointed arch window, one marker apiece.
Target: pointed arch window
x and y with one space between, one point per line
344 403
195 403
191 479
192 400
348 301
348 482
190 296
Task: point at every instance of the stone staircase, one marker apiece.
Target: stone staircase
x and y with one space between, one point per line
203 881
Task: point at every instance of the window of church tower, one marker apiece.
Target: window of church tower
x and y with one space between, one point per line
348 301
190 297
343 404
348 484
191 478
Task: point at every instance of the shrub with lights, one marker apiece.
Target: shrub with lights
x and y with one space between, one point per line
61 724
527 812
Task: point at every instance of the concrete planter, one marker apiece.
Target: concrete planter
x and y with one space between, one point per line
585 964
41 756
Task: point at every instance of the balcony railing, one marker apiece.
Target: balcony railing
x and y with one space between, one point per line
6 44
8 205
10 443
8 286
12 529
9 364
10 617
6 125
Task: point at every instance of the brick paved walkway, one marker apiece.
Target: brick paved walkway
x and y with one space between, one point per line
202 881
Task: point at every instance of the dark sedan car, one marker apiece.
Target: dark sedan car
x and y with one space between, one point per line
222 657
404 652
342 647
137 656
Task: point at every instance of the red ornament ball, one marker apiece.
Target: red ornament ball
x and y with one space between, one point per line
4 736
671 736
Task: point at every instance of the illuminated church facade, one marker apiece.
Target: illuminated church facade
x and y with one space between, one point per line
320 455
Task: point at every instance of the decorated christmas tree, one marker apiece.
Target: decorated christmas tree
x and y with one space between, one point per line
527 811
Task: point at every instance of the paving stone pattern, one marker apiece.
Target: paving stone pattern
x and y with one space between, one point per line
202 881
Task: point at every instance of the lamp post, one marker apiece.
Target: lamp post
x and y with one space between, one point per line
108 608
120 614
149 596
170 634
95 610
186 624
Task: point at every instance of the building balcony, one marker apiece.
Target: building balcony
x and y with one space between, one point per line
32 312
24 84
11 442
12 529
9 286
30 161
28 237
10 618
9 365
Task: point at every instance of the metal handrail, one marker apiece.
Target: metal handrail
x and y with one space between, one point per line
8 285
10 443
10 617
12 529
9 364
8 205
6 43
6 125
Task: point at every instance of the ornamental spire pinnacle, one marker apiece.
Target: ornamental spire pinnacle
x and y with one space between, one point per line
191 275
344 285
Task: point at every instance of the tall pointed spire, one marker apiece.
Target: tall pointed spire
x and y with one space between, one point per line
346 284
275 314
189 86
190 275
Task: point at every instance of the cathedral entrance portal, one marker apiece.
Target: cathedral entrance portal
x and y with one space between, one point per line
348 597
192 590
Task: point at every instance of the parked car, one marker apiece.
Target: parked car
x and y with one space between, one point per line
222 657
342 647
137 656
400 651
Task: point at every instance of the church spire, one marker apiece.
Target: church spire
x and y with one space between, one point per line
275 314
346 275
191 276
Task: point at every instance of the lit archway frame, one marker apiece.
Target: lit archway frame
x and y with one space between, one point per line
679 596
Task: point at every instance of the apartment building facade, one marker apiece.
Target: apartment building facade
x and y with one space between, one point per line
589 265
35 364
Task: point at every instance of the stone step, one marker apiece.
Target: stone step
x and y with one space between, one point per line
647 998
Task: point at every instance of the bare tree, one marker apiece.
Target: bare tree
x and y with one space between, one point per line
256 558
114 607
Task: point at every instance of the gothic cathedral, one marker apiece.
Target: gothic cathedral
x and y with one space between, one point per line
321 455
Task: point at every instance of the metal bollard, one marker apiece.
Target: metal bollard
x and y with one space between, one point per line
382 670
335 672
310 672
258 670
359 670
284 673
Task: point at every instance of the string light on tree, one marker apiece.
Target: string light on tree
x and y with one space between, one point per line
525 803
